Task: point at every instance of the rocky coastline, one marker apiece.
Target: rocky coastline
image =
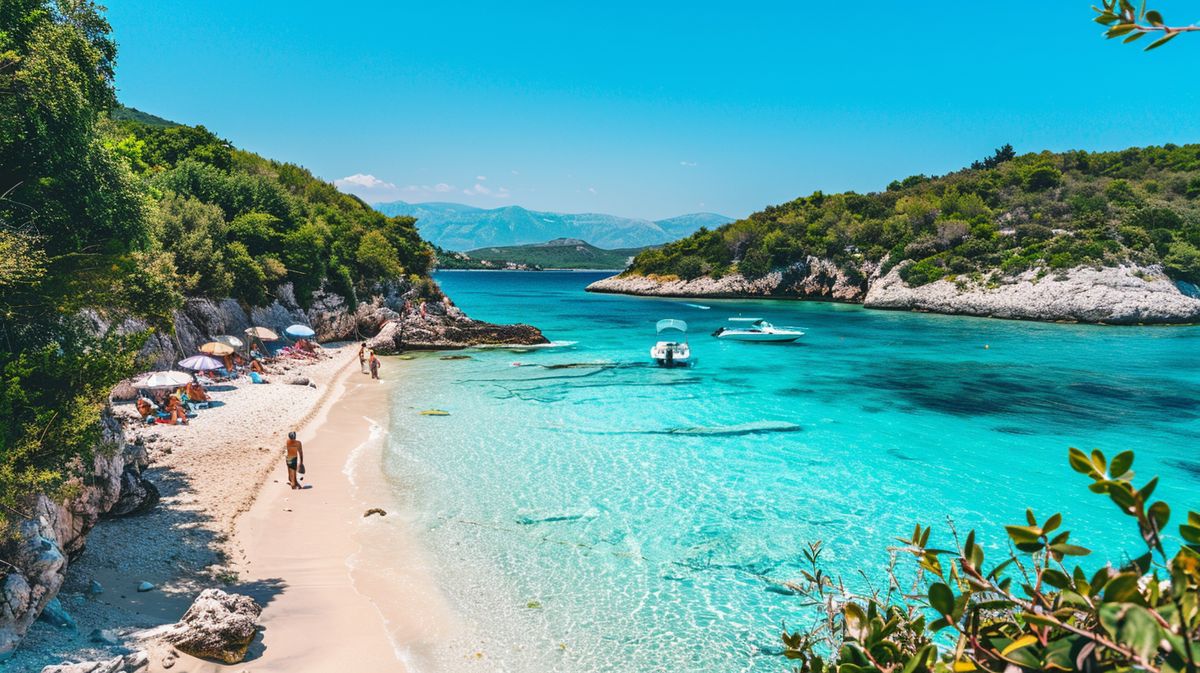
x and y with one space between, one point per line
1122 295
54 533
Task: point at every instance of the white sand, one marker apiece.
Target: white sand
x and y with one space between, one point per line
291 551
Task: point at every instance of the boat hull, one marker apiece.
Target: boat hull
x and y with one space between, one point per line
758 337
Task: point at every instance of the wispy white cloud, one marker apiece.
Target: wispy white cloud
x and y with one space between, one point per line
592 190
367 187
481 178
689 164
439 188
482 190
363 180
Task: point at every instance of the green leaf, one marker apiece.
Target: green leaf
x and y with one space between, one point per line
1133 37
855 620
1097 457
1139 630
1190 533
1120 464
1055 578
1070 549
1030 517
1122 588
1161 41
941 598
1154 18
1080 463
1160 513
1052 523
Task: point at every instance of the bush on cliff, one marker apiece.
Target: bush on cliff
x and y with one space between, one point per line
1008 213
1033 610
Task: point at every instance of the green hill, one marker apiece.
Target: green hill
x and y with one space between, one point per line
1005 215
125 113
109 214
561 253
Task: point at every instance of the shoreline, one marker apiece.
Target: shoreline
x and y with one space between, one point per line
1110 296
227 520
332 607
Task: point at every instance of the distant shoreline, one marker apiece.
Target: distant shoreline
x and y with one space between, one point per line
526 270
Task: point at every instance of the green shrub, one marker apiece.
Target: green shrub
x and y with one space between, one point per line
1034 610
923 272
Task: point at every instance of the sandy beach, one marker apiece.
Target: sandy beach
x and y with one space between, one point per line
227 519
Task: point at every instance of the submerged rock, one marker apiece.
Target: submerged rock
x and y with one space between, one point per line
217 626
145 586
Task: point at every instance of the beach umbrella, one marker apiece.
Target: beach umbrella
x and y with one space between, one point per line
261 333
216 348
164 379
229 341
300 331
200 363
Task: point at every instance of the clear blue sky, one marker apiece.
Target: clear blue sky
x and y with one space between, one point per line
649 109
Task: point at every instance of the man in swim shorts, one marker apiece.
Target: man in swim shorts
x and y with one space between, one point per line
294 458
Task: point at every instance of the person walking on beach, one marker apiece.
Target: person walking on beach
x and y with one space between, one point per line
374 366
294 458
362 357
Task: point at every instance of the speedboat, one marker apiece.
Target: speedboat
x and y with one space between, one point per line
670 353
758 330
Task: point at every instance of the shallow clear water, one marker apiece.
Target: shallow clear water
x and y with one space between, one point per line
578 533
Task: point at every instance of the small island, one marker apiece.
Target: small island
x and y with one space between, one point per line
1096 237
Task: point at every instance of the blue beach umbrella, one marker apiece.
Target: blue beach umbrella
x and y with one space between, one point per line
300 331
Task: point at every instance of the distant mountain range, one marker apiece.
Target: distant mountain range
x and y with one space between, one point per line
561 253
454 226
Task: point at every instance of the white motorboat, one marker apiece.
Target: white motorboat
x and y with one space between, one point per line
671 353
758 330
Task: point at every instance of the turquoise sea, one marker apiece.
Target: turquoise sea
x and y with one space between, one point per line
587 511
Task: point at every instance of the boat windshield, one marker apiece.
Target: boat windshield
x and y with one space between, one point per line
672 324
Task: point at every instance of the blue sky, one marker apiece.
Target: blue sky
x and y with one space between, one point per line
649 109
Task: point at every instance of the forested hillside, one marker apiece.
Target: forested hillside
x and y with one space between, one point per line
123 216
1004 215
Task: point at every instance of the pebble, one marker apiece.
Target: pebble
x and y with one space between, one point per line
145 586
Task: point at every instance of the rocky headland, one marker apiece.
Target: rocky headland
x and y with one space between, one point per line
1121 295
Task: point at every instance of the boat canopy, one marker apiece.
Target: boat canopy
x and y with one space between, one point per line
672 324
745 319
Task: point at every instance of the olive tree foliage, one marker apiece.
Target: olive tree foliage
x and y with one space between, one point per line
1133 23
1034 609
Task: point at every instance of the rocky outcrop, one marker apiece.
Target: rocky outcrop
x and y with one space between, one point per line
1127 294
813 278
55 532
218 626
441 325
137 662
1123 295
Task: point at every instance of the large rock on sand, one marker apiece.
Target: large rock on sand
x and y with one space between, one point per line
218 626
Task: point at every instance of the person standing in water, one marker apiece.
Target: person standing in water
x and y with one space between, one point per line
362 357
374 366
294 458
